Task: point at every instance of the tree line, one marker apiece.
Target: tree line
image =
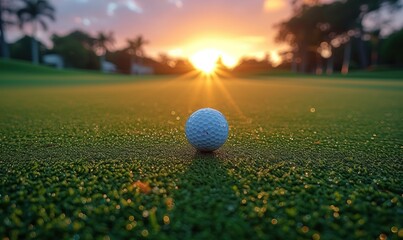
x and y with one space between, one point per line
77 48
324 37
32 13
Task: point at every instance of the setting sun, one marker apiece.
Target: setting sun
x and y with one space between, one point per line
205 60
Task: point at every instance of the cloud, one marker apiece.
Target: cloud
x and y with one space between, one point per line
84 21
111 8
274 5
133 6
129 4
177 3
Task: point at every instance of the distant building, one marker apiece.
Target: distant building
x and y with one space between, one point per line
139 69
54 60
108 67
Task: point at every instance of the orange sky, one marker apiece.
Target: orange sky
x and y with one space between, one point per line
233 31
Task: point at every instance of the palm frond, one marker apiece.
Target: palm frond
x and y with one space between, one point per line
43 24
8 23
49 15
33 10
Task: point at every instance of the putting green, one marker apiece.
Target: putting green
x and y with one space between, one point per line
305 159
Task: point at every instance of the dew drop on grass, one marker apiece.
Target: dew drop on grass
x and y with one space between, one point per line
316 236
129 227
393 229
166 219
144 233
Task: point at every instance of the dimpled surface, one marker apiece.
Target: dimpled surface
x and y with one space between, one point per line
206 129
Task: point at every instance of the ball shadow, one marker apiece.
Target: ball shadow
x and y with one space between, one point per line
205 202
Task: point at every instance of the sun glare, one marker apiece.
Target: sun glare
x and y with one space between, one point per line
205 60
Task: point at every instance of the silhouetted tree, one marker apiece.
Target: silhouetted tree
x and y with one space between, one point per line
379 21
21 49
350 25
102 44
335 23
167 63
304 33
391 50
164 59
252 65
84 38
135 48
121 59
375 40
77 49
34 12
6 9
182 66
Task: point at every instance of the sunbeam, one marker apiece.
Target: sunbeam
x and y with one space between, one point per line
224 91
202 89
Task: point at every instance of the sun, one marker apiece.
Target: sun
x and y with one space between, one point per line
205 60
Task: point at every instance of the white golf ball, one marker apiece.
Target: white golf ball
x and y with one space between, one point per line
206 129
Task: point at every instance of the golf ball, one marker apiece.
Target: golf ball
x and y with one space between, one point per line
206 129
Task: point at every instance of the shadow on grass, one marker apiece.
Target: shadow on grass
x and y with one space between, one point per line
205 204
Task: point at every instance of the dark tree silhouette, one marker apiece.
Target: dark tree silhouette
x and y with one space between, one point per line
84 38
337 22
164 58
304 33
391 50
135 48
35 12
6 9
103 43
349 25
76 50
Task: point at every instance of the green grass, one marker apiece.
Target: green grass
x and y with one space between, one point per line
21 73
375 74
305 159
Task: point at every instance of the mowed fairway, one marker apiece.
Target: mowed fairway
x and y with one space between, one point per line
305 159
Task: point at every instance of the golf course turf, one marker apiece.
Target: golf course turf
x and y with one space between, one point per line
306 158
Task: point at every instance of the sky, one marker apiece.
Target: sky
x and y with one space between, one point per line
180 28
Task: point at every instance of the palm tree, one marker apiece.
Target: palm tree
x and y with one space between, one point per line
6 8
103 42
350 24
135 48
35 12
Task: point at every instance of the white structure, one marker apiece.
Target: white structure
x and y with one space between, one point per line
139 69
108 67
54 60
